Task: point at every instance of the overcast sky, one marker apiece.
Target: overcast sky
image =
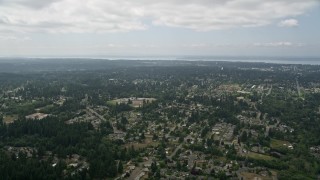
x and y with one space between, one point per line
159 27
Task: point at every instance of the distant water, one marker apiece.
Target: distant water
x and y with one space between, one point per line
276 60
252 59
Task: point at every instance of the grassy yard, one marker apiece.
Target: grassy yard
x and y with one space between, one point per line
254 155
148 142
112 102
250 176
135 102
9 119
277 144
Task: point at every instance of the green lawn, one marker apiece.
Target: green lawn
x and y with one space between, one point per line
112 102
276 144
254 155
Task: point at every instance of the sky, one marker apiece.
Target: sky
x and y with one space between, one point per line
105 28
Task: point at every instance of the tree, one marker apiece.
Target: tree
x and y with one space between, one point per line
158 175
222 175
124 120
154 167
120 167
154 137
178 166
209 142
244 136
212 172
143 137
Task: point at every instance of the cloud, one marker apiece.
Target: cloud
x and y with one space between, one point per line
278 44
243 45
35 4
196 45
100 16
14 38
289 23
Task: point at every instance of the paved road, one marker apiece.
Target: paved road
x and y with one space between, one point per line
269 92
138 170
266 134
178 147
115 130
96 114
258 115
171 130
175 151
270 127
298 88
135 172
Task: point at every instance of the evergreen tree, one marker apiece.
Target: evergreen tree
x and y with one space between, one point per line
120 167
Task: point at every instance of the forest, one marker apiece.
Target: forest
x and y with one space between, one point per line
250 114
